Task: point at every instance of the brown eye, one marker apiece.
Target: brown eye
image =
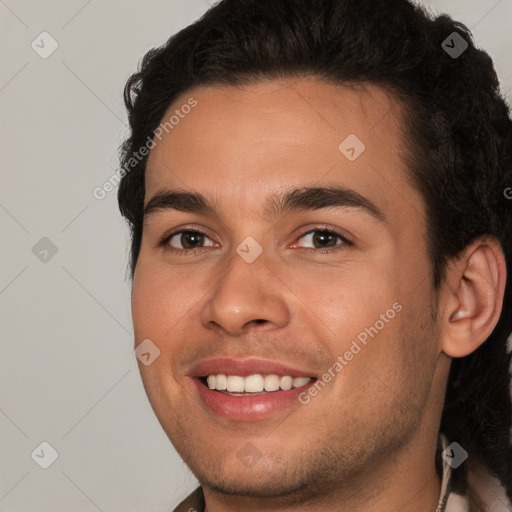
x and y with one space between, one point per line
187 240
324 239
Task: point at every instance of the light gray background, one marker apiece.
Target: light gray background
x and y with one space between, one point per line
68 373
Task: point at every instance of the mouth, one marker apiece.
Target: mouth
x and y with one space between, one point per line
249 390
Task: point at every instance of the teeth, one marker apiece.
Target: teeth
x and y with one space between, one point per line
271 383
254 383
286 383
235 384
221 382
300 381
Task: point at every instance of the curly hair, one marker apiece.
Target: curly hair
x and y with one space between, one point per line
457 132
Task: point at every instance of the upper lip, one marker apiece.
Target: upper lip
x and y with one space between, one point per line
245 367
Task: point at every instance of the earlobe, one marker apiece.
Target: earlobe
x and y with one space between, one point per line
475 286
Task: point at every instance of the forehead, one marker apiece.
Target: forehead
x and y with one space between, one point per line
238 144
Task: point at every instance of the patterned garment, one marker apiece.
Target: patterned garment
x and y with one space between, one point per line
484 492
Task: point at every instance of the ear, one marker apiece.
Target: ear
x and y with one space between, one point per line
473 297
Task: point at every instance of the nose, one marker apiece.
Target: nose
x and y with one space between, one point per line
247 295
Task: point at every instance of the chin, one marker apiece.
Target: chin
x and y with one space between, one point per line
268 478
253 485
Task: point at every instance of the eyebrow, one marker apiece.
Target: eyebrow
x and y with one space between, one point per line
277 204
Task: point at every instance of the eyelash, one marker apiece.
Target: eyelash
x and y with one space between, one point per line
184 252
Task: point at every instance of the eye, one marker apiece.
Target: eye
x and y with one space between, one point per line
192 241
183 241
328 240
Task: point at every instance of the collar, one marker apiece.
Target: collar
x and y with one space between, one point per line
449 501
447 471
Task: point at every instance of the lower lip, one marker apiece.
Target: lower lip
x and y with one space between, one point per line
249 408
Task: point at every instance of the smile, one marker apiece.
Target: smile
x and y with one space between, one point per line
254 383
249 389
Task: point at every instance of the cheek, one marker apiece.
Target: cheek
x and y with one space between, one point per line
389 373
365 313
346 298
159 301
158 312
144 302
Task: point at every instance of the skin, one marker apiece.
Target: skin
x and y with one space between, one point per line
367 441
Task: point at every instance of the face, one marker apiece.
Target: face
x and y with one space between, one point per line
303 265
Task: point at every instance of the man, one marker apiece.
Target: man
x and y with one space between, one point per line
321 234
